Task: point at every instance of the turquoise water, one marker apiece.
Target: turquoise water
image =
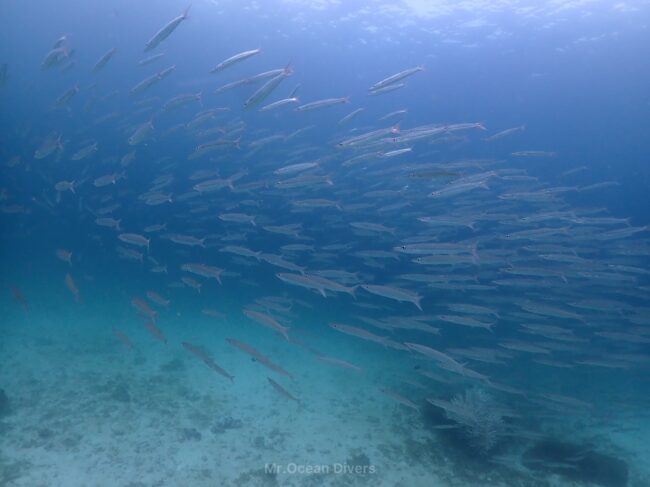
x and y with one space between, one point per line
208 280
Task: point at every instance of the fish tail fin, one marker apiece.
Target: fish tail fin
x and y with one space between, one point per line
417 303
288 69
187 11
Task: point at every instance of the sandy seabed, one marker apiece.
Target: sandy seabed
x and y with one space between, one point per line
88 411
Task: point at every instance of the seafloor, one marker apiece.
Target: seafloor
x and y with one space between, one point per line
82 409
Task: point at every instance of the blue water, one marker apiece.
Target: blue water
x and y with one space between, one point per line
528 361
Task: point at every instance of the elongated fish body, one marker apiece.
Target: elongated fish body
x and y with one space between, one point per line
279 104
367 137
65 186
396 113
258 356
282 391
203 270
252 79
212 185
56 57
395 293
386 89
147 83
400 399
142 307
134 239
267 321
103 61
65 98
141 133
155 331
266 89
294 168
339 363
318 283
237 218
279 261
242 251
372 227
187 240
84 152
505 133
350 116
207 360
315 105
108 222
150 59
157 298
122 337
235 59
69 282
359 333
182 100
107 179
166 31
391 80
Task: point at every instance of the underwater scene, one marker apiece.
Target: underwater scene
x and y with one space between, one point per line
325 243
